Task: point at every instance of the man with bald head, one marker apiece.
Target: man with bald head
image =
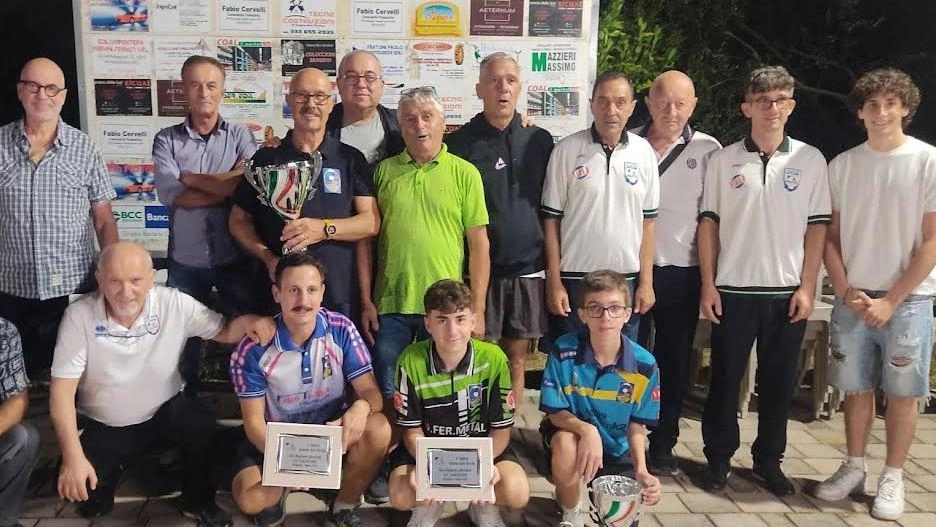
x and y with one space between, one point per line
54 197
681 154
359 119
340 211
118 349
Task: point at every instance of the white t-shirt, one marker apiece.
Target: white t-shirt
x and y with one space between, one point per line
881 198
368 137
126 374
601 201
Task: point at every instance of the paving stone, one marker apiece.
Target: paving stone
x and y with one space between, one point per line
798 503
864 520
812 519
842 506
706 503
63 522
670 484
927 482
646 520
758 502
918 467
682 520
918 519
796 467
776 520
818 450
924 501
667 504
41 507
736 520
28 523
823 466
923 451
828 436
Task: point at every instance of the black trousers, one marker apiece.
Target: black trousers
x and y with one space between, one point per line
675 317
181 421
746 318
37 322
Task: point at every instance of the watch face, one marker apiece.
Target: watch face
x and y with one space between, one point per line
330 230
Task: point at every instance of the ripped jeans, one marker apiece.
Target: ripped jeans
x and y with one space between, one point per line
896 356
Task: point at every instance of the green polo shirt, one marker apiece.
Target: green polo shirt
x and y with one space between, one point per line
425 211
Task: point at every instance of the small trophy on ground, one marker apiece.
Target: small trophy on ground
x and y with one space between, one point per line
615 500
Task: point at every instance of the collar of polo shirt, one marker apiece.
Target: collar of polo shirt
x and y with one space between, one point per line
597 139
585 354
751 146
465 365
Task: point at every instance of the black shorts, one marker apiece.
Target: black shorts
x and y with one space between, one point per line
515 308
401 457
248 456
623 465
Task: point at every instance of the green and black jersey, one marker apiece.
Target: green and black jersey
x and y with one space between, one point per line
467 402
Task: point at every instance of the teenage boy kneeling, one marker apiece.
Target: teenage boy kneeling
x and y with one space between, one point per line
454 386
600 390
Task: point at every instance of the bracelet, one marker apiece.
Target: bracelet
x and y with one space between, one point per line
370 407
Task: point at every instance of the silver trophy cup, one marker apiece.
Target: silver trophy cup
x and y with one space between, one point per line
615 500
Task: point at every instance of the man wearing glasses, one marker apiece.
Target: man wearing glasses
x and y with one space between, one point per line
54 196
118 350
359 119
765 207
339 211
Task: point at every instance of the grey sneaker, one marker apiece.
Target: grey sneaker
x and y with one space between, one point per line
889 502
847 480
346 518
573 518
486 515
425 515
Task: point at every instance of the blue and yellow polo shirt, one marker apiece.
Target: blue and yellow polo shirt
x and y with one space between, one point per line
609 398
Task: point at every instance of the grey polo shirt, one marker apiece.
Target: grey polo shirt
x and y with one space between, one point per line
199 237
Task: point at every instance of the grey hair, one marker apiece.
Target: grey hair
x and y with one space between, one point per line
418 96
498 55
202 59
769 78
348 56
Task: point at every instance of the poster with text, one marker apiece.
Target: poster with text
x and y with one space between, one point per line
120 56
298 54
391 54
248 98
244 15
245 55
455 104
307 18
170 99
436 19
431 60
119 15
554 62
171 53
555 18
496 18
479 49
123 97
121 138
181 16
376 16
133 180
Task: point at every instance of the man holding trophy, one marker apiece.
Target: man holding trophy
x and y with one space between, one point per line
311 193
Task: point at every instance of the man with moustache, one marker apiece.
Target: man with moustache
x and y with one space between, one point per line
54 196
198 164
341 211
359 119
512 160
600 199
118 351
681 153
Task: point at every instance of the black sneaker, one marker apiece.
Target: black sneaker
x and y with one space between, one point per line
346 518
209 515
98 504
663 463
716 477
378 491
776 481
272 516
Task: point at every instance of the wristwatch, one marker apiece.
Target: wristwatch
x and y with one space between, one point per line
330 229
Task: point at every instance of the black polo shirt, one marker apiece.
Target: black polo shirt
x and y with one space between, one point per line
329 202
512 163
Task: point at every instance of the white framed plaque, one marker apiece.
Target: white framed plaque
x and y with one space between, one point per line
299 455
454 468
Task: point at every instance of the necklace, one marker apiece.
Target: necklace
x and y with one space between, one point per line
36 154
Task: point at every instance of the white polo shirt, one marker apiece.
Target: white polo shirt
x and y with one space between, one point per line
881 198
601 200
126 374
762 207
680 196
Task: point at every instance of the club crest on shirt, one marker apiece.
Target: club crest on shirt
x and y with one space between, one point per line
326 367
580 172
791 178
737 181
331 177
631 173
100 330
692 163
624 392
474 395
655 394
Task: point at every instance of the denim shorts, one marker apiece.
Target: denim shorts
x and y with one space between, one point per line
895 357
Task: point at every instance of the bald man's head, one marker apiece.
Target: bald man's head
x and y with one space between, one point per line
310 99
125 275
37 79
357 92
671 101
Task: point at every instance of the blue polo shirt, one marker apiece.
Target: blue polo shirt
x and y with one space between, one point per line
609 398
302 384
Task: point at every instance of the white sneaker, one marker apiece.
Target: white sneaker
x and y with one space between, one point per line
572 518
425 515
485 515
847 480
889 502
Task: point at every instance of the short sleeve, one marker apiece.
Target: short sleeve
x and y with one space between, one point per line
552 397
710 190
835 182
929 183
501 403
648 413
13 378
71 348
474 210
651 201
246 144
820 204
101 186
167 170
246 376
406 401
556 184
200 321
356 360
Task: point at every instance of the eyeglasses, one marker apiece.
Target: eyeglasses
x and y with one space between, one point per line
33 87
596 311
318 98
419 90
352 78
764 103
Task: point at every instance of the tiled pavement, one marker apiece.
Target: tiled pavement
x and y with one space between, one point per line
815 450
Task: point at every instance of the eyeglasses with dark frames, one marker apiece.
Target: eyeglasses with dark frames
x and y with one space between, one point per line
353 78
33 87
317 98
596 311
764 103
